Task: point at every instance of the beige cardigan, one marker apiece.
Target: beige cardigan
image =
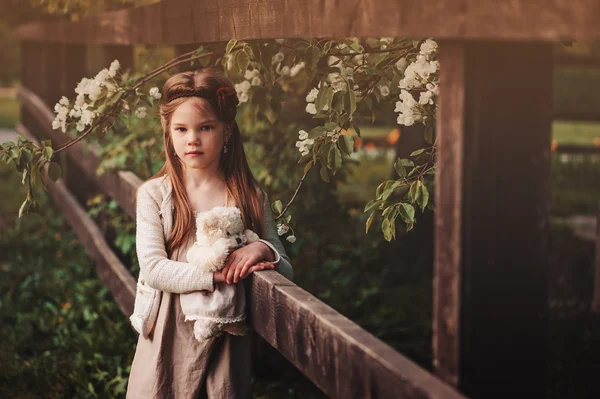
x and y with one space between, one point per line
154 212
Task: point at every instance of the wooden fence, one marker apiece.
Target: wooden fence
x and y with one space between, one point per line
490 300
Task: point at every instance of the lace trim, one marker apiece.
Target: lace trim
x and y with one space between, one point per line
222 320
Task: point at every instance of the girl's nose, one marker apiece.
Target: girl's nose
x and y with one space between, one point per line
239 240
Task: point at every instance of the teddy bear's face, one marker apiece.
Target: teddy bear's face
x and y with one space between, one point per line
221 222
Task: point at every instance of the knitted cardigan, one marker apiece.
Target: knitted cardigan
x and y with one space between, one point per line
158 273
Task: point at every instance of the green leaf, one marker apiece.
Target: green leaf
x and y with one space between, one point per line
277 207
356 128
389 190
242 60
407 212
48 151
346 143
382 187
417 152
386 227
275 105
415 191
350 102
230 45
336 163
23 210
429 133
316 132
337 102
424 197
54 171
308 166
323 173
372 204
407 162
369 222
305 158
400 169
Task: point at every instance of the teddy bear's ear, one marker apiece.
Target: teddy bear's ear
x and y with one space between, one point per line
209 223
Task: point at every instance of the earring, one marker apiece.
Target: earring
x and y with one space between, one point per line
225 148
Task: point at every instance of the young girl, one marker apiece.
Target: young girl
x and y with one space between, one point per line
205 167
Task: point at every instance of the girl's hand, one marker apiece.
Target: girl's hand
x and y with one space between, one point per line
246 260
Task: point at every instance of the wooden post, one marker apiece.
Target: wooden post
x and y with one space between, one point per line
54 73
492 189
75 67
596 301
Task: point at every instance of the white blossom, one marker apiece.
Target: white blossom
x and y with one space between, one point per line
384 90
408 109
426 97
101 76
304 145
280 41
249 74
433 87
282 229
243 97
291 238
256 81
295 70
311 108
140 112
334 134
428 47
285 71
312 95
277 58
302 135
154 93
401 64
337 82
114 66
64 101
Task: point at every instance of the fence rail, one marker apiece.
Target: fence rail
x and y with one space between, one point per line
187 21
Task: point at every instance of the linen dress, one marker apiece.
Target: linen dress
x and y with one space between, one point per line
171 363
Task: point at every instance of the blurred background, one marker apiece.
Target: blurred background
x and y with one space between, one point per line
63 335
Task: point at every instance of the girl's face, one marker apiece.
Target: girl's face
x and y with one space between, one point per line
198 137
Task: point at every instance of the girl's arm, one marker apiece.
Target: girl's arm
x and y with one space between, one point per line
158 270
271 239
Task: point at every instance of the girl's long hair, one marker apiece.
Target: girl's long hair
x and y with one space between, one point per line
242 185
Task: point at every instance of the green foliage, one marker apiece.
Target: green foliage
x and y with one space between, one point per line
62 333
575 185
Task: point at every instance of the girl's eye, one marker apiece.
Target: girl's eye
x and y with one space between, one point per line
208 127
180 128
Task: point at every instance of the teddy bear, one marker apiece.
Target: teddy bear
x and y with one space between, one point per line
219 231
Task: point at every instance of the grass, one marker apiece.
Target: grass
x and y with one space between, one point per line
569 132
9 112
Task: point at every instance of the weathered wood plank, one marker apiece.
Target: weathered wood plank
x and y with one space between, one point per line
341 358
116 185
449 182
221 20
501 218
111 271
